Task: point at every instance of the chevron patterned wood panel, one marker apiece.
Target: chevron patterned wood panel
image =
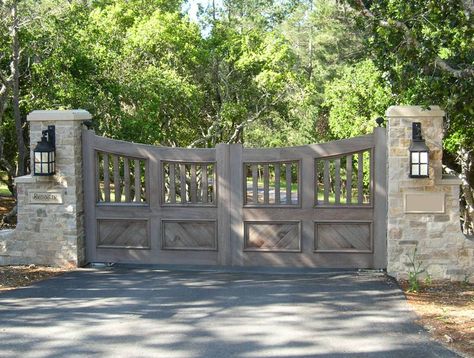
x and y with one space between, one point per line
355 237
281 236
189 235
123 233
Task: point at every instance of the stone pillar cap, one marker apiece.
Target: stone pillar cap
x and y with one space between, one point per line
59 115
414 111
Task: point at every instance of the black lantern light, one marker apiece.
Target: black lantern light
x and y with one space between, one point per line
419 154
44 153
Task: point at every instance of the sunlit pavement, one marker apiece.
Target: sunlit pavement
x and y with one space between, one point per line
159 313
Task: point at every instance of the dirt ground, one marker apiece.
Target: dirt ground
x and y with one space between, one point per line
446 310
18 276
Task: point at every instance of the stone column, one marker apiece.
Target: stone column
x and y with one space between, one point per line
423 213
51 232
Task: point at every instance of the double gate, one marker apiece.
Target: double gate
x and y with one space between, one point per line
320 205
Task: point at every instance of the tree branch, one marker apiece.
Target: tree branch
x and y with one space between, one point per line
413 42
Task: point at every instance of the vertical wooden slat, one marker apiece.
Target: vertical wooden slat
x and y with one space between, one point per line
204 184
106 178
360 178
182 180
277 183
316 182
126 179
266 185
172 196
97 177
117 189
255 183
214 183
193 184
288 182
138 181
349 179
326 181
337 184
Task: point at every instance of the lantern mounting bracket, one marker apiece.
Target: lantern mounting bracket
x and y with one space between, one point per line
50 136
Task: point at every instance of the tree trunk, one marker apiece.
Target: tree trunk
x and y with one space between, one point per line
465 159
21 168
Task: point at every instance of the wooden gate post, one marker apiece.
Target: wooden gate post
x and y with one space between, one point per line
380 198
223 178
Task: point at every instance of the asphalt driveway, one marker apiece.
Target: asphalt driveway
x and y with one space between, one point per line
161 313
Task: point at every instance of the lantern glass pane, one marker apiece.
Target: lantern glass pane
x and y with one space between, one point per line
37 157
415 156
44 157
424 169
415 169
37 168
53 167
44 168
423 157
52 156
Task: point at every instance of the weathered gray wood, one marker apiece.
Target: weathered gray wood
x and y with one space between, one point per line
126 179
277 183
138 180
189 235
330 149
204 184
288 182
213 194
91 186
326 182
97 177
360 178
266 185
182 182
172 187
316 182
255 183
236 195
337 181
349 179
106 178
350 237
117 185
223 199
123 233
380 197
283 236
230 185
193 187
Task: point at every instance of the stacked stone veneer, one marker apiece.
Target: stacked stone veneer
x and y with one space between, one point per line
51 234
443 251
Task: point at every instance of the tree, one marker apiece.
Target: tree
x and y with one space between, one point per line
355 99
425 50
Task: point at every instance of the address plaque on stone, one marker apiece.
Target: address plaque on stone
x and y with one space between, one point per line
45 197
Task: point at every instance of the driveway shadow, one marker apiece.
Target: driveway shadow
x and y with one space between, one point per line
160 313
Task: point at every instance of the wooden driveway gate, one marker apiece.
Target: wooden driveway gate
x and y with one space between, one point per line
320 205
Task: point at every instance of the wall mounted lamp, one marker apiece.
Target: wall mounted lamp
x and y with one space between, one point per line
44 153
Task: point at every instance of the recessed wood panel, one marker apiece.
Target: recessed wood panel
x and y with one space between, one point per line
343 237
272 236
189 235
123 233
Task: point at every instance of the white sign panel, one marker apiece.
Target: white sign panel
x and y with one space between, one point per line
45 197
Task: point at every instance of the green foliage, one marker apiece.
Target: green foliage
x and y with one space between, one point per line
414 272
355 99
441 29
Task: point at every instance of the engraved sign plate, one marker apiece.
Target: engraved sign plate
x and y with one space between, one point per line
424 203
45 197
